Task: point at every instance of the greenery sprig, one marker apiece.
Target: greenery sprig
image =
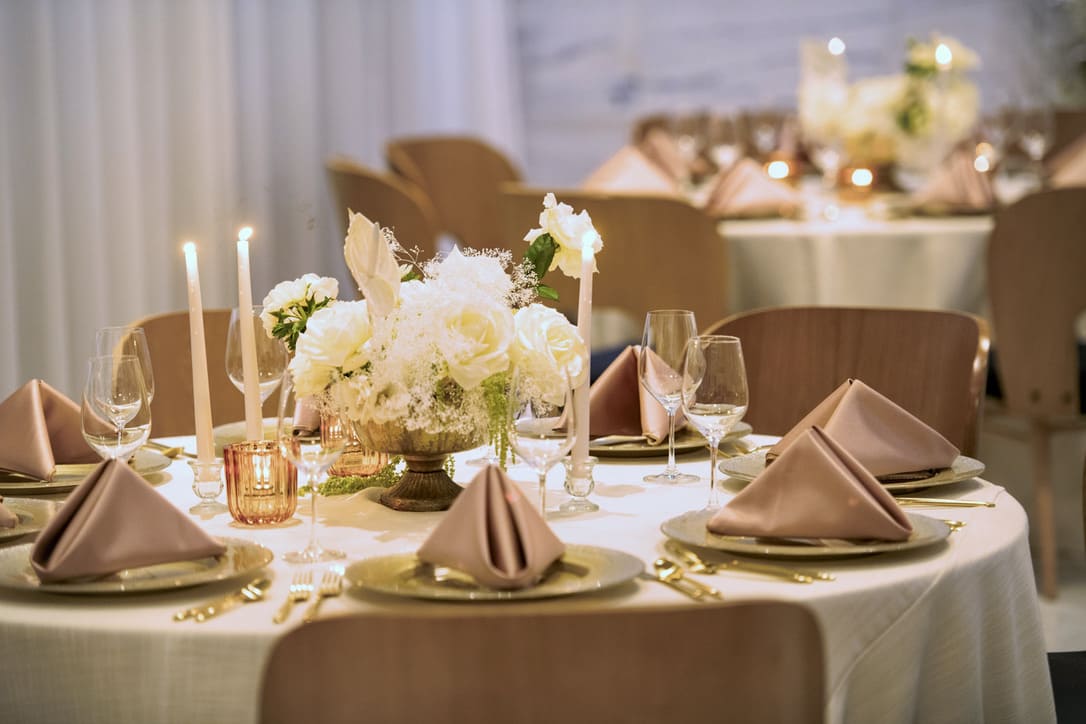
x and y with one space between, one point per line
386 477
538 259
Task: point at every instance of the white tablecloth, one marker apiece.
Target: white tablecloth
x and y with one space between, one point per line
925 263
945 634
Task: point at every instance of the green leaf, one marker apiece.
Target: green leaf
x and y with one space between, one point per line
541 253
410 275
546 292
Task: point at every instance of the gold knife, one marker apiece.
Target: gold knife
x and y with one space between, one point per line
252 591
699 565
946 502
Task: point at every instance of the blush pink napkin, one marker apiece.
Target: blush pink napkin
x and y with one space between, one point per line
1068 167
39 429
885 437
660 148
494 534
746 190
619 405
956 186
115 520
814 490
630 170
7 518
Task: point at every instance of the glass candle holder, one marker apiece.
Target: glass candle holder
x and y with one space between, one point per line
261 485
207 485
355 460
579 484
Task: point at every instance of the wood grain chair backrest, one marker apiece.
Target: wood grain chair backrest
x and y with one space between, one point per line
659 252
1037 285
756 661
932 363
171 361
461 175
385 199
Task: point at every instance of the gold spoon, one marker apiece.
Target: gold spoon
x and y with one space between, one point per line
671 571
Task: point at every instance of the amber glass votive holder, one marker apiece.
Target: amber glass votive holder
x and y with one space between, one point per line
261 486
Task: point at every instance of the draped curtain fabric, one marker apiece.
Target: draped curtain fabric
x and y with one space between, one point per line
128 126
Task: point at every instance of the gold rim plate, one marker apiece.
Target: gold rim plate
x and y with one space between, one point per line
32 514
144 462
686 440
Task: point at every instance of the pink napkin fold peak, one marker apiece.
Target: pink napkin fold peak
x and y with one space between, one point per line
7 518
115 520
39 429
660 148
494 534
816 489
885 437
746 190
956 186
630 171
619 405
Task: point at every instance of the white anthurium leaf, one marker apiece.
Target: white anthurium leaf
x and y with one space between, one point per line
372 264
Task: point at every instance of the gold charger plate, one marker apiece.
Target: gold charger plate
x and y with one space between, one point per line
33 515
748 467
242 558
144 462
690 528
686 440
583 569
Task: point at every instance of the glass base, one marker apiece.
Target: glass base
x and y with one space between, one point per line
578 505
208 507
314 554
671 479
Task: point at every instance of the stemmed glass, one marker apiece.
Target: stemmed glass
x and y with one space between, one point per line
659 366
113 341
541 428
271 354
1035 136
116 413
714 393
312 454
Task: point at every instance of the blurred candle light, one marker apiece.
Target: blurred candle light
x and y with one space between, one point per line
862 177
778 169
584 327
836 46
943 56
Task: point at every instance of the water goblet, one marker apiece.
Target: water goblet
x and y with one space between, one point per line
659 367
113 341
714 393
271 354
312 454
541 427
115 412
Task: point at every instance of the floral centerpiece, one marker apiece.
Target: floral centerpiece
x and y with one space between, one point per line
420 365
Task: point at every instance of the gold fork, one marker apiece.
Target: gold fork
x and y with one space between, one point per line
331 585
300 588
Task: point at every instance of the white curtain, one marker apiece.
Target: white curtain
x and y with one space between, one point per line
128 126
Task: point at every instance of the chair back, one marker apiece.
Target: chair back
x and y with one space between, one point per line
932 363
659 252
385 199
756 661
461 175
1068 125
1037 285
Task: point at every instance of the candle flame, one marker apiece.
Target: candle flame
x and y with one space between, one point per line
982 164
943 55
245 233
836 46
189 247
862 177
588 244
778 169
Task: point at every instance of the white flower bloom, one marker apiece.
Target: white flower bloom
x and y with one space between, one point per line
372 264
548 348
474 340
570 231
334 342
295 293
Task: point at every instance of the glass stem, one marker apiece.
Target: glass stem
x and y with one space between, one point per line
714 500
311 478
543 494
672 468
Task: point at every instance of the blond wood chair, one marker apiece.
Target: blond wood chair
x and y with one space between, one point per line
756 661
171 360
1037 285
386 199
461 176
932 363
659 252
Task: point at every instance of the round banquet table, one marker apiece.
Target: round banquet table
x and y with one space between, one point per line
947 633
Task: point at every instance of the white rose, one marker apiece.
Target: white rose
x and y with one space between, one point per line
570 231
475 340
334 342
295 292
548 347
372 264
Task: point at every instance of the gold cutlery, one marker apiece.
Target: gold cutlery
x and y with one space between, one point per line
252 591
699 565
331 585
300 588
670 570
688 591
167 450
953 524
945 502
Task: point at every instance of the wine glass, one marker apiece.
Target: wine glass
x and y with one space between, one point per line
542 426
271 354
714 392
111 341
115 412
659 366
300 441
725 143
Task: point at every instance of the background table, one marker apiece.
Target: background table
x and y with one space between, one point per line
949 633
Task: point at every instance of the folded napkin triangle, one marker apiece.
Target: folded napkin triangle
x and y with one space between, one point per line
660 148
115 520
816 489
630 170
746 190
494 534
618 404
957 185
39 429
885 437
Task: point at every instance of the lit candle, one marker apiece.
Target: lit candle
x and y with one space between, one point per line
249 369
584 327
201 393
943 56
836 46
